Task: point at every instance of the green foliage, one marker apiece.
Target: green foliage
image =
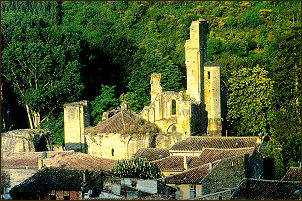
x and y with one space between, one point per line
217 12
56 126
271 151
103 102
250 101
136 168
41 62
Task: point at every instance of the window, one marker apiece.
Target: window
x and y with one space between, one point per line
112 152
192 191
209 76
173 107
66 195
52 195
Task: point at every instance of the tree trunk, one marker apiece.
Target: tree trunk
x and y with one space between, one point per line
33 118
29 117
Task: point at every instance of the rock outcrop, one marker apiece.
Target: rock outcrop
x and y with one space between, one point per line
25 140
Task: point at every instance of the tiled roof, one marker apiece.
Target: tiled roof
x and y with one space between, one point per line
118 123
51 178
257 189
80 161
292 174
171 163
211 155
191 176
198 143
176 163
152 154
29 159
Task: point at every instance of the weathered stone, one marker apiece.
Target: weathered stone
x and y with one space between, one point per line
26 140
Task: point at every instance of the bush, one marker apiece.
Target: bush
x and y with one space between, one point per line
136 168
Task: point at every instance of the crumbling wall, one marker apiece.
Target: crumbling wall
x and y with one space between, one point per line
25 140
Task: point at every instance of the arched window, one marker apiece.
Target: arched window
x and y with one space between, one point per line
173 107
112 152
209 76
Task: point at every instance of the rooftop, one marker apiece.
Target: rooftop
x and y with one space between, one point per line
208 155
152 154
292 174
118 123
198 143
191 176
257 189
22 160
80 161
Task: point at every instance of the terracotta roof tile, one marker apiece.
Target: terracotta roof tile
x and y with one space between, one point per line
176 163
211 155
80 161
29 159
292 174
191 176
198 143
152 154
171 163
257 189
117 123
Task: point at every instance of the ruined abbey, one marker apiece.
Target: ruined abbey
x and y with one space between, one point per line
196 111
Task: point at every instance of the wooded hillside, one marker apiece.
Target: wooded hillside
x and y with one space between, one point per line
58 52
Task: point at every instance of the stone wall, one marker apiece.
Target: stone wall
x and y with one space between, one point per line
223 195
76 118
115 145
227 174
25 140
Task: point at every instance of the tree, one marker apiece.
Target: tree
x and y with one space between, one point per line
40 61
136 168
250 101
105 101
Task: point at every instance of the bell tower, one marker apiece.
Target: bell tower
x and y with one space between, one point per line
196 56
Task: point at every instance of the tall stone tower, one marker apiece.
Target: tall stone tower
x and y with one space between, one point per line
76 118
196 56
212 98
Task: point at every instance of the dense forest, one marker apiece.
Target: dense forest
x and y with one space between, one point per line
58 52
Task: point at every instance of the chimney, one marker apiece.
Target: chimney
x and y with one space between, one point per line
210 166
185 163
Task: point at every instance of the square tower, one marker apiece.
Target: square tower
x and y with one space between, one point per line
76 118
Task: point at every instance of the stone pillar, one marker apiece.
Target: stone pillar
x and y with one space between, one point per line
156 88
212 98
76 118
196 55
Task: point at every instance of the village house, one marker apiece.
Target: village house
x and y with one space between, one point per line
292 174
258 189
18 166
57 184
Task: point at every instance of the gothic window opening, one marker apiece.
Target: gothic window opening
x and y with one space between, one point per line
173 107
209 76
112 152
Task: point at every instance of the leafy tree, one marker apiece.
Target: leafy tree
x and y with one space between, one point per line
56 126
272 151
105 101
40 61
136 168
250 101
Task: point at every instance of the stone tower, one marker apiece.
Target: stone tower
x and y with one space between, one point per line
155 85
76 118
212 98
196 56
